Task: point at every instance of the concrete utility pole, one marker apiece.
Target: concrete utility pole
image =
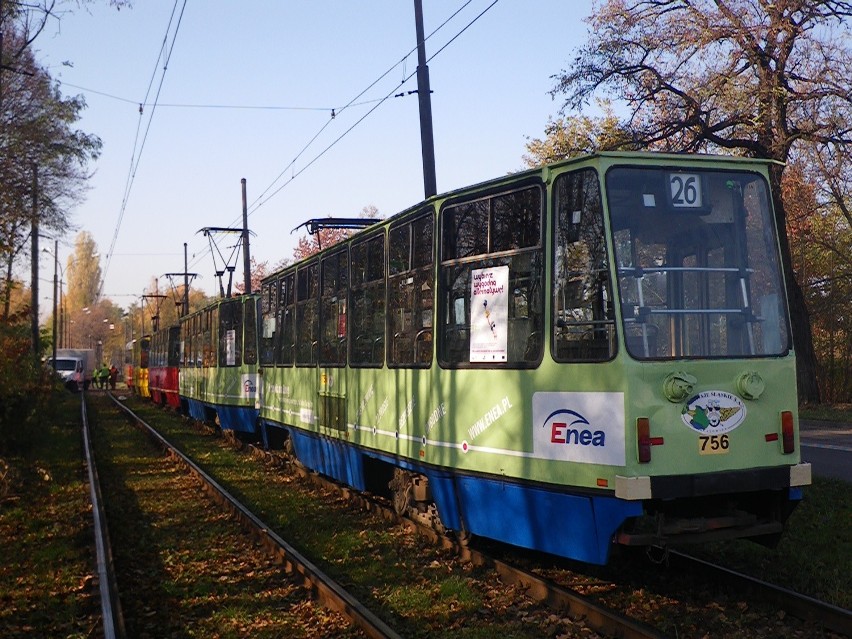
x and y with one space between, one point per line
246 255
185 283
424 93
34 285
55 287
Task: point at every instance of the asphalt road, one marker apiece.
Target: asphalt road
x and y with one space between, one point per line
828 447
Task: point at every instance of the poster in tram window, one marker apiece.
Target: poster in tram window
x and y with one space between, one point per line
230 347
489 313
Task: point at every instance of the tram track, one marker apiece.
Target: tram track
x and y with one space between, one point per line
587 610
112 620
607 621
831 617
323 588
591 615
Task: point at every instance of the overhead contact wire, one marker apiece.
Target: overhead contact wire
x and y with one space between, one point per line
134 166
259 201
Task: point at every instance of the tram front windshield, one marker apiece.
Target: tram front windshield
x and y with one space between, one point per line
697 263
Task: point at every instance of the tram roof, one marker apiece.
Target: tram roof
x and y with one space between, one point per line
607 157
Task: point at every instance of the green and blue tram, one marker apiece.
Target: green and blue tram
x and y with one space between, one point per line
591 352
218 367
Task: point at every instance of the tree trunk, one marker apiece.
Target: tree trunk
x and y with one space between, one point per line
7 302
806 362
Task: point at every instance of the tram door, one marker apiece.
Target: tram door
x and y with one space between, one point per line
331 342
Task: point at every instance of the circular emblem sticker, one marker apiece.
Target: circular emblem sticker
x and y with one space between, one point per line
713 412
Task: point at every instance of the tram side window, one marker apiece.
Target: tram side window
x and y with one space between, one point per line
188 341
152 355
212 326
144 352
207 337
307 317
335 285
250 330
491 280
285 345
197 341
230 333
410 292
583 320
174 352
268 307
367 295
183 338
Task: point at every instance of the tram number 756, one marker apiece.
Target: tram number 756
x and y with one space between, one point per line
713 444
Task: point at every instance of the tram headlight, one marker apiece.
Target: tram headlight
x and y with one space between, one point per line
750 385
678 386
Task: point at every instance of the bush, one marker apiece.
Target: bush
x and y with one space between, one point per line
25 387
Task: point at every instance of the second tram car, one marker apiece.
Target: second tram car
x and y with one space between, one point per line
591 352
218 375
164 359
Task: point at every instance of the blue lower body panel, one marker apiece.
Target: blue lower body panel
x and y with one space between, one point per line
242 419
196 409
574 525
331 457
570 525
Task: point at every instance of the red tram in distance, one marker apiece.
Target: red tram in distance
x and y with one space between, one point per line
163 362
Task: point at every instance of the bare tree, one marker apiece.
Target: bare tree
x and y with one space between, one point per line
751 77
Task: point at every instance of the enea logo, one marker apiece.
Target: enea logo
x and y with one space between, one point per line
569 427
579 427
713 412
249 386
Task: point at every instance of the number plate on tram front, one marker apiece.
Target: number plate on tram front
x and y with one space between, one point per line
713 445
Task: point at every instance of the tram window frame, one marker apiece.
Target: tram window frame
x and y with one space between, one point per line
198 348
367 301
268 311
182 337
334 300
230 319
145 352
206 336
250 343
285 349
174 350
516 245
187 331
307 313
583 326
411 267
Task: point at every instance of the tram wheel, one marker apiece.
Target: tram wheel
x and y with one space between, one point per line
401 491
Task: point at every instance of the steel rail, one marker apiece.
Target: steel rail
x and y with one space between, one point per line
322 587
802 606
597 617
111 615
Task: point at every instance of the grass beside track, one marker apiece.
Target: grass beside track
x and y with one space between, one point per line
185 568
46 559
420 590
46 562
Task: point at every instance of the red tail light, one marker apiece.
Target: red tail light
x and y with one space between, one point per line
643 435
788 442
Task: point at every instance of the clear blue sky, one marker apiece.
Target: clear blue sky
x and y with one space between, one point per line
490 93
